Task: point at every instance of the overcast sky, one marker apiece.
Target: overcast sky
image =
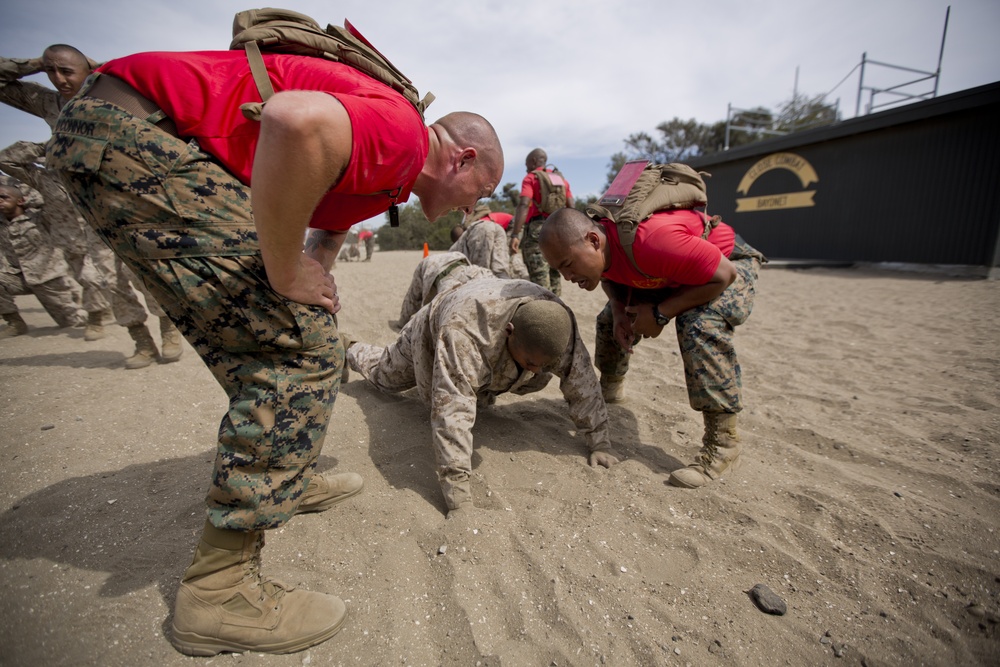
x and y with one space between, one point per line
574 77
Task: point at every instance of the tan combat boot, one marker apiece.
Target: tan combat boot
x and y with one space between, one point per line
720 451
224 604
15 326
613 388
171 347
95 325
457 489
325 491
145 348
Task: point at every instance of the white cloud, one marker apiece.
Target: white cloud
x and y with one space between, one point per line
573 77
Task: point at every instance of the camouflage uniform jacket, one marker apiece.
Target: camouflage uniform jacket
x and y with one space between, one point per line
429 269
485 244
28 249
23 160
460 360
27 96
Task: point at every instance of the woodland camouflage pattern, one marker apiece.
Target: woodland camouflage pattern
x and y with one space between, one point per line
539 271
705 335
184 225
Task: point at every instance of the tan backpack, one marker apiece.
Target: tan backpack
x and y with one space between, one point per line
285 31
553 189
641 189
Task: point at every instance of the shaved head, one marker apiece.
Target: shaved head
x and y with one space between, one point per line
566 227
68 51
67 68
470 130
536 158
575 246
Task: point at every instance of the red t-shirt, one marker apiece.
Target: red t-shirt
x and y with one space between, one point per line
499 217
669 247
202 91
365 234
532 189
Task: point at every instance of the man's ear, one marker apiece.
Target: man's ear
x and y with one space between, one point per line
467 157
509 329
594 239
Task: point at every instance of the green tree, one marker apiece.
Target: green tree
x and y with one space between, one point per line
678 140
415 229
803 112
508 199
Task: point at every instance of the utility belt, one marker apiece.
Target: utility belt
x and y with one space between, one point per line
114 90
432 292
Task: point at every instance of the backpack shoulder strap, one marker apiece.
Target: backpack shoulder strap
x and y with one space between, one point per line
626 231
259 71
286 31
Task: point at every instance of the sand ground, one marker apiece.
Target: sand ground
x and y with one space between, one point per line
869 498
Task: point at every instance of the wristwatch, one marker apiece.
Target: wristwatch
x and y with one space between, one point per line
661 319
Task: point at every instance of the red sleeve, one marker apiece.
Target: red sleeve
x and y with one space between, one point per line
529 186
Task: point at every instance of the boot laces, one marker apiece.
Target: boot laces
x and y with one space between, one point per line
269 588
707 455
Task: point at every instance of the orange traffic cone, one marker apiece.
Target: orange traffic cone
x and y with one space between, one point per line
427 250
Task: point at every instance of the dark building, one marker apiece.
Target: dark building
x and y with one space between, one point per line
918 184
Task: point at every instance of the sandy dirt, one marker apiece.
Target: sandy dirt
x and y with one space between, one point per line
868 498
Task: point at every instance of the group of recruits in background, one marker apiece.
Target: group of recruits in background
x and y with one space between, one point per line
161 174
47 248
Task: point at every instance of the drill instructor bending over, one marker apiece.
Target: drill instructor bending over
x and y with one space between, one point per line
159 160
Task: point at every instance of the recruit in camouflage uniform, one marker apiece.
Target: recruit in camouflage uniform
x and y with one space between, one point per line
485 244
32 265
85 253
464 331
188 232
482 212
434 275
107 283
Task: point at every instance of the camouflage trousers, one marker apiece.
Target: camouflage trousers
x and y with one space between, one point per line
84 268
705 335
56 297
539 272
184 225
129 311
